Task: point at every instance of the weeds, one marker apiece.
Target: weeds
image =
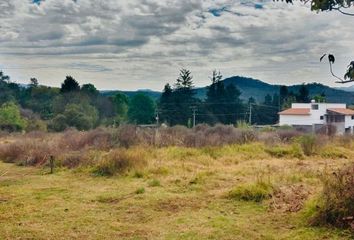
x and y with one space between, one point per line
335 204
120 161
154 183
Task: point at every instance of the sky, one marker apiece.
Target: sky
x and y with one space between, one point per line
142 44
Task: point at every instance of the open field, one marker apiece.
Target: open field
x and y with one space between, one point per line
178 193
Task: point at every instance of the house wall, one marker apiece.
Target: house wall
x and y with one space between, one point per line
349 122
295 120
314 119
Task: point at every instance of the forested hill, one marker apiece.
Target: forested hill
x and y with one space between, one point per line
257 89
153 94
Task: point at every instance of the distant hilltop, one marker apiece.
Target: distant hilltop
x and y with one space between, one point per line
258 89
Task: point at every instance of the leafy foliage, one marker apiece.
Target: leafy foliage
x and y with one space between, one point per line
141 109
10 118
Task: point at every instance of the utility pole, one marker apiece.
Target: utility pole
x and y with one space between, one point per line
194 109
157 118
250 116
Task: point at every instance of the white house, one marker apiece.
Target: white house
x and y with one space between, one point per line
313 116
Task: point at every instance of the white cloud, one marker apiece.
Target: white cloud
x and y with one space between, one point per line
143 43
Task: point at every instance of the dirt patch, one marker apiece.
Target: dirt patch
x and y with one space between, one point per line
176 205
289 198
135 234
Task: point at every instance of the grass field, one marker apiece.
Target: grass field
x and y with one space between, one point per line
182 193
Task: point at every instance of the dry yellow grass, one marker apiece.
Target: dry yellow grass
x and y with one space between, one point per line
190 200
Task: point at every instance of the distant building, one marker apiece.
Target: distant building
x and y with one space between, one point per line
314 116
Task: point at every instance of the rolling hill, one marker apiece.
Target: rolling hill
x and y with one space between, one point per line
258 89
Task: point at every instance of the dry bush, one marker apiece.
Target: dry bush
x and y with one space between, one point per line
146 136
75 140
222 135
27 152
11 152
127 136
269 138
346 140
71 159
119 161
288 135
172 136
36 134
335 205
328 130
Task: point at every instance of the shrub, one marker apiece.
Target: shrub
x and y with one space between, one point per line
127 135
285 151
286 135
328 130
335 204
26 152
10 118
140 190
72 159
333 153
120 161
75 140
269 138
252 192
309 144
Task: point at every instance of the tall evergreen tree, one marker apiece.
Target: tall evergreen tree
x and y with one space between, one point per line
69 85
166 104
183 96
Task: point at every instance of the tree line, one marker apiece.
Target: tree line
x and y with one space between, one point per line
38 107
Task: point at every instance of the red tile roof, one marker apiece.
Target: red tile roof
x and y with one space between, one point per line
342 111
296 111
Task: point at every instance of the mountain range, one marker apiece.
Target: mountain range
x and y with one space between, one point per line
258 89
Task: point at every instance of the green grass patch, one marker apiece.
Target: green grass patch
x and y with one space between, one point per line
256 192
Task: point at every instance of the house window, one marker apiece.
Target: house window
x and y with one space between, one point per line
322 117
314 106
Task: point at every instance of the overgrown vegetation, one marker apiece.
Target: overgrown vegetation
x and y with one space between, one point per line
334 206
219 179
257 192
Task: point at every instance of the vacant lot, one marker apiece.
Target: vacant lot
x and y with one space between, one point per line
244 191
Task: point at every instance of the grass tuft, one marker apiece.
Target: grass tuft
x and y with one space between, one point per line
256 192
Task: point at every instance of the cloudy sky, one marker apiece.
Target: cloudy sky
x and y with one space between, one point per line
140 44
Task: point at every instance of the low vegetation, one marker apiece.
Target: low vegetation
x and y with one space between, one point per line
207 182
334 206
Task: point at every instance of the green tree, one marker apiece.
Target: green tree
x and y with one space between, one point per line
80 116
10 118
183 98
341 6
166 104
33 82
121 103
141 109
303 96
329 5
4 77
320 98
69 85
90 90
